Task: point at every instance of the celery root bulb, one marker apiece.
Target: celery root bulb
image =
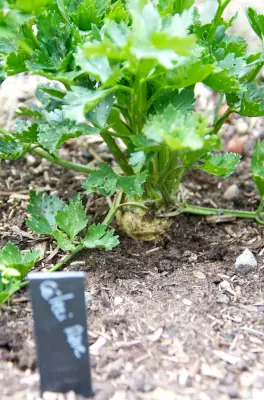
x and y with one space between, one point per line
141 225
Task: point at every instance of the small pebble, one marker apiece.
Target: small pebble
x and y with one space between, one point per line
88 298
231 192
235 145
31 160
223 298
187 302
241 127
118 300
199 275
120 395
245 263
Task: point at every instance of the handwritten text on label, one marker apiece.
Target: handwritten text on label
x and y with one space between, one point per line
57 300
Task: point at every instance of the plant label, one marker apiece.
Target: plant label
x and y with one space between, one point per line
61 331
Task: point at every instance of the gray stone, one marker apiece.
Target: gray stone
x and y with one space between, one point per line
241 127
245 263
231 192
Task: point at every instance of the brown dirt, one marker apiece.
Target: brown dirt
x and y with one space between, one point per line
172 315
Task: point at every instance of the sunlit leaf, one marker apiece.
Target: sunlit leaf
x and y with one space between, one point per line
221 164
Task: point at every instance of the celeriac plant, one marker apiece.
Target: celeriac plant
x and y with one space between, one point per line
127 70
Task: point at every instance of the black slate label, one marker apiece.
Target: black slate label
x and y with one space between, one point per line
61 331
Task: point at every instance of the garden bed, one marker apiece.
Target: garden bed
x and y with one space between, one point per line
170 320
171 315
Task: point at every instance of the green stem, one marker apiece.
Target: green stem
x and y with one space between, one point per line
117 153
165 193
260 208
180 176
250 76
138 101
206 211
216 21
67 258
58 266
218 106
63 163
124 88
218 125
166 179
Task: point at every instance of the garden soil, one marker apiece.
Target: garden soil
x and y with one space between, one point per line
172 316
170 320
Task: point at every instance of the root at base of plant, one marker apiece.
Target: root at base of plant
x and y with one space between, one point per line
140 225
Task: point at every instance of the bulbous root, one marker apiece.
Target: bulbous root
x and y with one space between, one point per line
141 225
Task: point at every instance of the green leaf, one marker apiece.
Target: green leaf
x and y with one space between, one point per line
98 67
141 143
106 181
63 241
71 6
50 96
113 44
102 6
4 296
32 6
221 164
181 5
42 211
249 103
86 15
179 131
57 40
58 130
118 13
15 63
72 219
180 45
167 42
132 185
98 236
33 113
100 113
7 46
53 92
211 142
223 82
257 166
256 21
227 77
11 257
181 100
80 100
168 7
189 74
27 134
10 149
137 160
9 289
